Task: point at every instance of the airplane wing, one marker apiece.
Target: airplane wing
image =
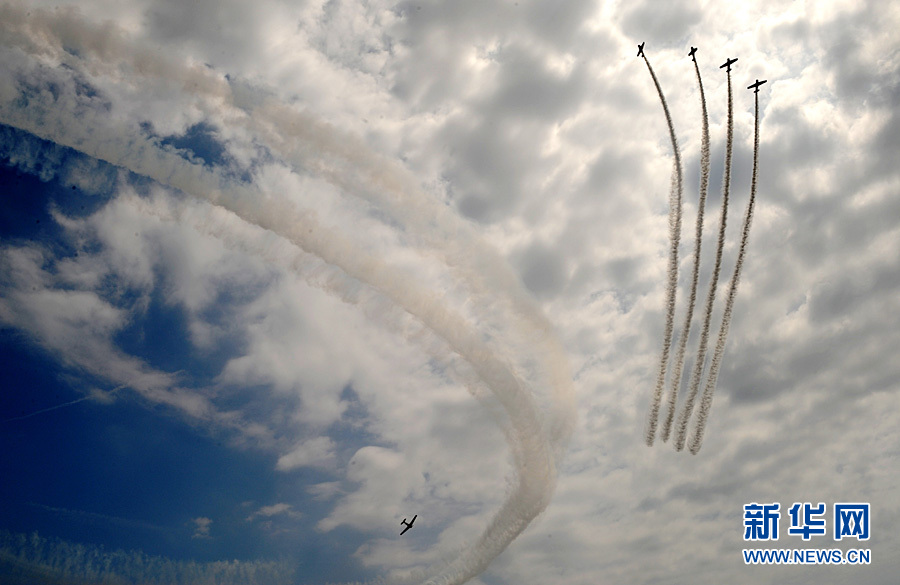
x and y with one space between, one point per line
405 529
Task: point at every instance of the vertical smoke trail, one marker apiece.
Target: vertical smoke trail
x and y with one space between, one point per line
706 401
675 192
688 408
695 276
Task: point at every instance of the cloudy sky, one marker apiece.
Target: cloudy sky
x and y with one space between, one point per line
276 275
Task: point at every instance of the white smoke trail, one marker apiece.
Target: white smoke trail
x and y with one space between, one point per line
96 135
334 283
307 143
675 195
695 275
688 408
531 493
706 400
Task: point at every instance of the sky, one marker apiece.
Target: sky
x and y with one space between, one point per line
275 276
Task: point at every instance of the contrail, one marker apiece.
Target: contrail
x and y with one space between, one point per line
675 193
695 276
688 407
63 405
535 444
49 409
706 401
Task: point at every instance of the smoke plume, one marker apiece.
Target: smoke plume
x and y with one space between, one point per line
706 400
66 117
695 274
688 408
675 195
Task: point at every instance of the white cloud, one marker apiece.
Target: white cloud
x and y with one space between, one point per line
313 453
280 509
324 491
201 527
78 326
538 123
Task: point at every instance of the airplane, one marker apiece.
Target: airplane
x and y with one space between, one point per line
728 64
408 524
755 86
691 54
641 49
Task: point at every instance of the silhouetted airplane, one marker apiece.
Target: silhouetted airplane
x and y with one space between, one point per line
408 524
691 54
755 86
728 64
641 49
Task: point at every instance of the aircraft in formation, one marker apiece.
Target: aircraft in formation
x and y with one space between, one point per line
728 64
408 524
755 86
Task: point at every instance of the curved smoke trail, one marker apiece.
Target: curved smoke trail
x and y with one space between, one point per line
695 275
688 408
535 445
706 401
309 144
675 193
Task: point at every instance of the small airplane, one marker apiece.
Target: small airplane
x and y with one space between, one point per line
691 54
728 64
408 524
755 86
641 49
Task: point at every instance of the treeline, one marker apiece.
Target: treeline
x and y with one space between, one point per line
33 558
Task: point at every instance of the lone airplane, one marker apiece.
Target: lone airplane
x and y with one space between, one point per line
691 54
728 64
641 49
755 86
408 524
